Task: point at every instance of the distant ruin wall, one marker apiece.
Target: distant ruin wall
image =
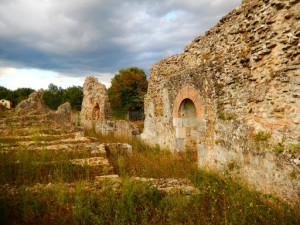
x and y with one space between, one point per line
96 113
245 77
33 105
95 105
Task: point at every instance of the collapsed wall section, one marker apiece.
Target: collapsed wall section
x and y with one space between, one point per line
246 71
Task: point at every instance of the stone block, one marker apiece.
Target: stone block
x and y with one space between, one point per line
194 134
125 149
201 126
189 122
179 144
174 122
177 122
202 150
180 132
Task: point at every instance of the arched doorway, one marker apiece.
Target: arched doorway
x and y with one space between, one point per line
96 112
187 109
188 120
188 115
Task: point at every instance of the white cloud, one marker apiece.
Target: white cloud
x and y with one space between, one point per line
76 37
36 79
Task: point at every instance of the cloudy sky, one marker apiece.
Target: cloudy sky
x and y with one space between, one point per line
63 41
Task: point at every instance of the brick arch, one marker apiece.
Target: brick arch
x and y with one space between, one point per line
188 92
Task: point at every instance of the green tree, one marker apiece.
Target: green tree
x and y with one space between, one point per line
53 96
127 90
15 96
20 94
74 95
4 93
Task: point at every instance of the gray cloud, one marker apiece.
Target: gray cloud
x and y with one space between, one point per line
76 37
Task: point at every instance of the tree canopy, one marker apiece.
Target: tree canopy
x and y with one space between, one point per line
127 90
74 95
15 96
54 96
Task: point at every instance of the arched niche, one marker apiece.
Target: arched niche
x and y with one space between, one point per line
188 120
188 92
187 109
96 112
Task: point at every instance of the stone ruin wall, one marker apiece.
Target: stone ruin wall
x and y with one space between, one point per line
243 76
96 113
34 105
95 105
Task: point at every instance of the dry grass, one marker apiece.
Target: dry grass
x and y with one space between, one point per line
47 193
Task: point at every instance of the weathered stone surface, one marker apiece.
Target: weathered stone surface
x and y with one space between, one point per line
242 77
35 106
64 110
120 127
95 113
95 105
120 148
32 105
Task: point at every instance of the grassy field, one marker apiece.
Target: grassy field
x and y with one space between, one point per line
45 187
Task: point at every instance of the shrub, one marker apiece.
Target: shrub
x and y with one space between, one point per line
226 116
278 149
262 136
294 147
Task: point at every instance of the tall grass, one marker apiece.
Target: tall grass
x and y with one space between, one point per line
27 167
137 203
73 197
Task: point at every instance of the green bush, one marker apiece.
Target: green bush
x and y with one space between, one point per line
278 149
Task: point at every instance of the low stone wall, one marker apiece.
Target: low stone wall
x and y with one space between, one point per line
236 154
120 127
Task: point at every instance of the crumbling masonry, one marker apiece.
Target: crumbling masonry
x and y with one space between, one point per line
95 105
96 113
241 77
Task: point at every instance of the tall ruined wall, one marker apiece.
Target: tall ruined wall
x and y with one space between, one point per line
95 108
243 76
96 113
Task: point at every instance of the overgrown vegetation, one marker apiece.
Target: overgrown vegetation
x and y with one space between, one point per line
45 188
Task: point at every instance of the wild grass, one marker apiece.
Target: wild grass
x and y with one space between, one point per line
25 167
68 195
294 147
